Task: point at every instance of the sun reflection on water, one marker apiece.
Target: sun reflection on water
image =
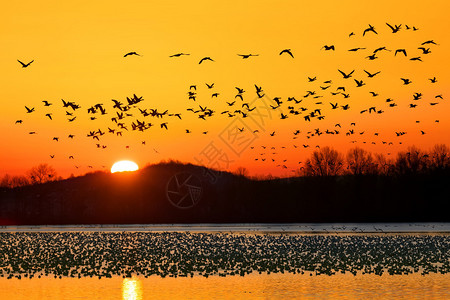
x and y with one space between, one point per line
132 289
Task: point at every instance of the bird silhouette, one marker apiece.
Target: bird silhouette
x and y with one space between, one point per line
400 51
46 103
25 65
429 42
371 28
245 56
326 47
205 59
406 81
394 28
179 54
356 49
425 50
346 75
288 51
131 53
371 75
29 110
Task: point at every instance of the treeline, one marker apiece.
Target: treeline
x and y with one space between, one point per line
357 161
41 173
325 161
144 197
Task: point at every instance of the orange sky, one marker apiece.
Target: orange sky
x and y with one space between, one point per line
78 49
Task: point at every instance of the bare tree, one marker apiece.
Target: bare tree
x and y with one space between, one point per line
42 173
360 161
383 164
242 171
412 161
324 162
440 157
9 181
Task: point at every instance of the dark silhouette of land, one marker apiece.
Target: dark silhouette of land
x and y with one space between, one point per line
141 197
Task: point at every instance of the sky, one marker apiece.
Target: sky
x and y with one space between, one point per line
78 49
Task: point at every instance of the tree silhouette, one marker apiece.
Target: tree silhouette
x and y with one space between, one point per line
42 173
324 162
9 181
241 171
360 161
440 157
413 161
383 164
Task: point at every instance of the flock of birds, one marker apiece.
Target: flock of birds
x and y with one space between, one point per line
119 117
183 254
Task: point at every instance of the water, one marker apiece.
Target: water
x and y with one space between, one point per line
254 286
255 261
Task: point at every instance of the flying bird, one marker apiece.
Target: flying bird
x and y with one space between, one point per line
346 75
371 75
328 47
400 51
179 54
245 56
371 28
25 65
205 58
29 110
131 53
394 28
288 51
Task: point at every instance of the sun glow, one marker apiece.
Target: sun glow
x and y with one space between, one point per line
124 166
132 289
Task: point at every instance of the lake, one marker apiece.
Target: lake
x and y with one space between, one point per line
204 261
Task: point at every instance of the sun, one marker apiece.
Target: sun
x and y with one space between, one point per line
124 166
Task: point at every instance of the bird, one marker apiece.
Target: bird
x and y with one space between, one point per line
288 51
205 59
433 80
210 86
179 54
359 83
371 75
18 122
29 110
49 115
394 28
46 103
25 65
418 58
424 50
356 49
406 81
371 28
245 56
429 42
131 53
326 47
346 75
371 57
400 51
311 79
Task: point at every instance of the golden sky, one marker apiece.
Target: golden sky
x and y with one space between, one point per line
78 50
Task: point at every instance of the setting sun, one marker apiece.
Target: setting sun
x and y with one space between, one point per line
124 166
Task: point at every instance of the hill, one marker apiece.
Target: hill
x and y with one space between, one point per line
185 193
